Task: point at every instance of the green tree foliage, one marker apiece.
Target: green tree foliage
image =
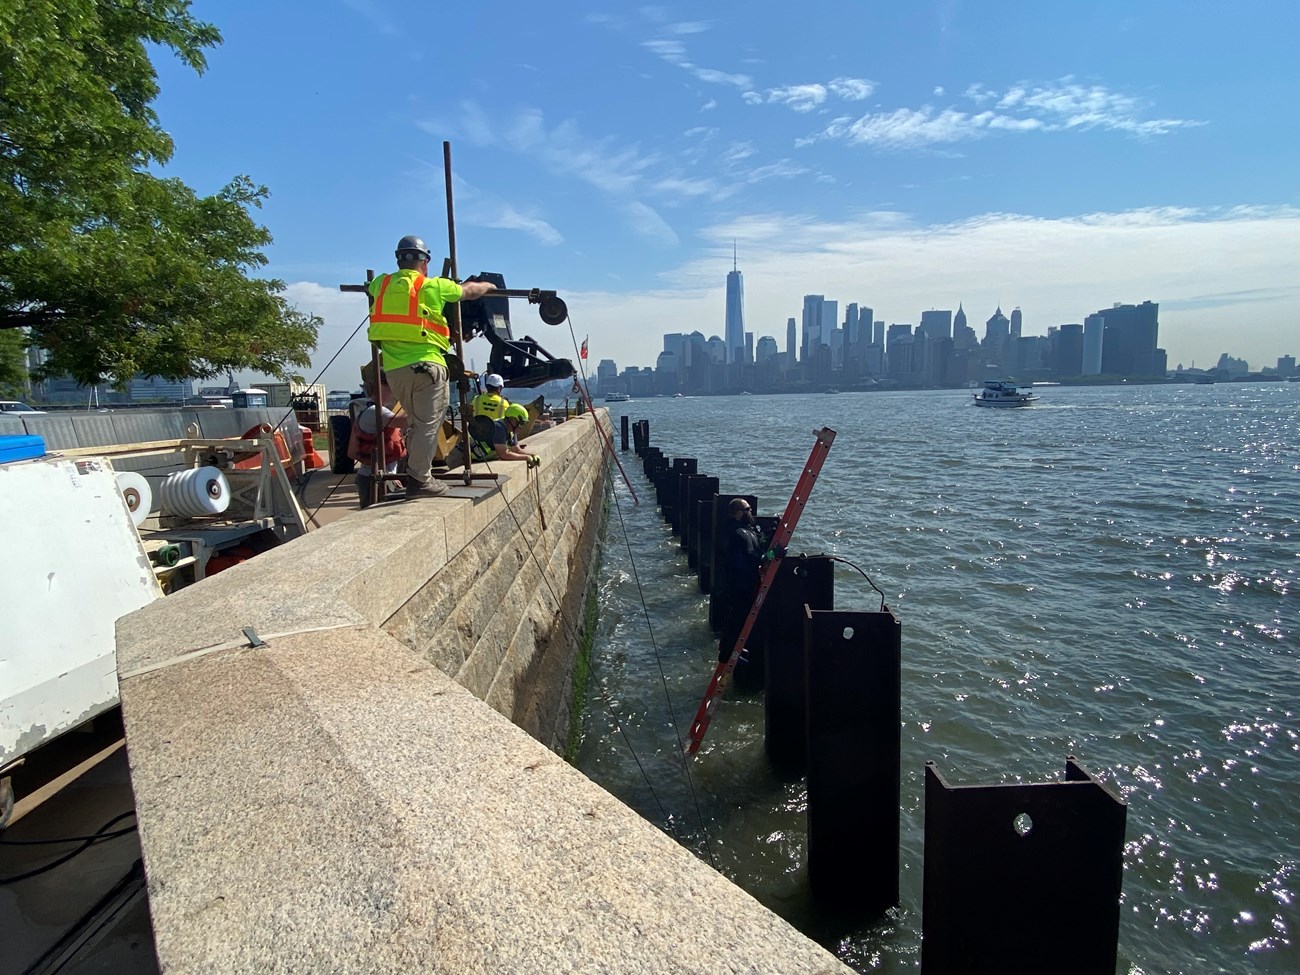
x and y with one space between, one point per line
13 366
114 270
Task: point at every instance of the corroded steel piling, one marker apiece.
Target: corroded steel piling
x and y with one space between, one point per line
854 737
674 510
802 581
699 491
1022 878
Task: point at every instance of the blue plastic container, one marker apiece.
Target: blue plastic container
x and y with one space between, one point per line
23 446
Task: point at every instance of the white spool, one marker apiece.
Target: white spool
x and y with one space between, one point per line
196 492
136 493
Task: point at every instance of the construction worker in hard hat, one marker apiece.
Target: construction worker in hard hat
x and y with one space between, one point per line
406 319
505 440
490 403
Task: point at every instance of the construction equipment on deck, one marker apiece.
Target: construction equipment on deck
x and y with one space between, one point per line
771 562
521 362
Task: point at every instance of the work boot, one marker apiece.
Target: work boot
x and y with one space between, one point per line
364 485
429 489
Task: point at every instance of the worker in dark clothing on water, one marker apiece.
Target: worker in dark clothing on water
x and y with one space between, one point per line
744 555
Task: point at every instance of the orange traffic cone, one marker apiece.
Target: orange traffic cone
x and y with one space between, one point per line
311 460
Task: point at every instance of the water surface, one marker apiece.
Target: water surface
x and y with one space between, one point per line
1111 574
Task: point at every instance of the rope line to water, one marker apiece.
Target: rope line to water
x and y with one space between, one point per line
663 676
854 565
350 337
576 635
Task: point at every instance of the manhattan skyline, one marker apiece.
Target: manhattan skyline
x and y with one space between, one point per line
1054 157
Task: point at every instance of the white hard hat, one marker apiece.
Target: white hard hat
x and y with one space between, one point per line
494 380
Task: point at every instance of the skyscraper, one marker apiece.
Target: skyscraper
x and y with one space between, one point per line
735 325
1128 345
1094 328
1017 322
811 336
935 324
790 339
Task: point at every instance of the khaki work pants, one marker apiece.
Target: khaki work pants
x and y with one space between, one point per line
424 395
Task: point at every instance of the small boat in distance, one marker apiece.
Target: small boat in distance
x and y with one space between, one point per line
1003 394
617 398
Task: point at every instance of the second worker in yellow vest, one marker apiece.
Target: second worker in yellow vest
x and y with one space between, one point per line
491 403
406 319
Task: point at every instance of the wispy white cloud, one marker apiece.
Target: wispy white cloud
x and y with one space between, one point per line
506 217
617 170
852 89
1021 108
674 52
738 151
647 222
781 169
1059 107
802 98
806 98
906 128
679 188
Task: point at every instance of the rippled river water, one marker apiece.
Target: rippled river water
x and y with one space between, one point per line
1113 573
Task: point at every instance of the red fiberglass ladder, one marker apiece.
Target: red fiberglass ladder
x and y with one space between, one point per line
772 561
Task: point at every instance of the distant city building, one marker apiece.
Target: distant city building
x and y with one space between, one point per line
963 336
1286 365
811 334
790 338
997 328
935 324
1129 340
878 334
1016 324
1094 328
64 390
766 348
1230 366
899 346
735 321
606 375
717 350
1067 355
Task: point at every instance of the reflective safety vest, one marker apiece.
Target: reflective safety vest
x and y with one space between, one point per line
395 314
491 405
481 450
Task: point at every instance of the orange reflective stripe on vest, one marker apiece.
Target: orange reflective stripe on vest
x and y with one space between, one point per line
381 315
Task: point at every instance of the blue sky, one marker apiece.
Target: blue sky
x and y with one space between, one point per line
1058 157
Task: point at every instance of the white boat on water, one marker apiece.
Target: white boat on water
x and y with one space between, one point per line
1002 394
617 398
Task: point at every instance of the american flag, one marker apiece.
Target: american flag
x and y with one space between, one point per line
582 353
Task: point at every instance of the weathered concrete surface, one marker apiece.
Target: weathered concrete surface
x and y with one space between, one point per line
343 800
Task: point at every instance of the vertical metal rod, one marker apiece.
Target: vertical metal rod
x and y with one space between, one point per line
379 457
453 317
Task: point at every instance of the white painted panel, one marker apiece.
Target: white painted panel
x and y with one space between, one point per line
71 563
